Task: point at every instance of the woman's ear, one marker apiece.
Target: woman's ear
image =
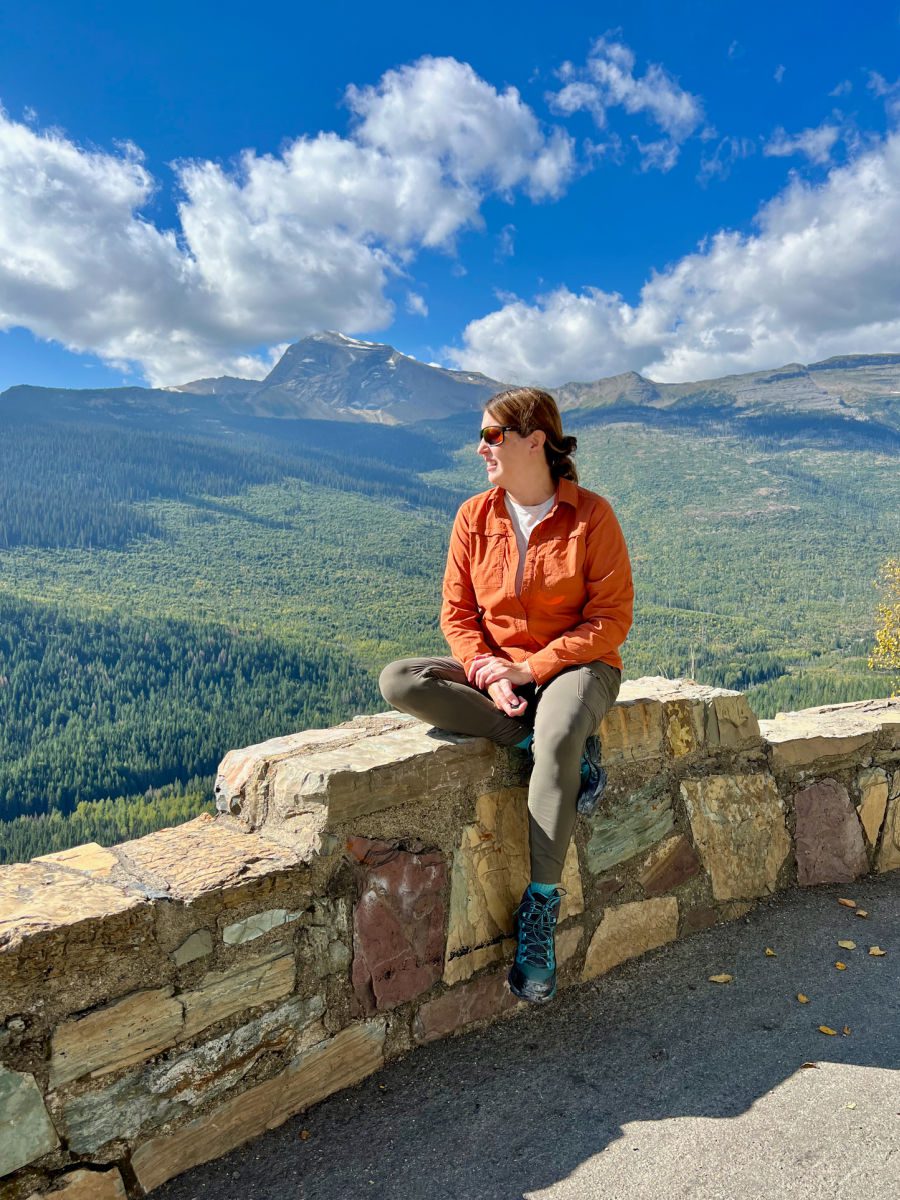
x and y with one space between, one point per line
536 440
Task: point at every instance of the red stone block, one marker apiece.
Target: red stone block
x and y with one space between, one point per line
830 846
462 1005
398 922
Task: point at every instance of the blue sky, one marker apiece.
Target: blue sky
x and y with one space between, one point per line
541 192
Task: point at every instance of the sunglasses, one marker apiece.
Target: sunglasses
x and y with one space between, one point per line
493 435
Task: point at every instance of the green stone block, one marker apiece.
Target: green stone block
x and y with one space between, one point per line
26 1131
629 826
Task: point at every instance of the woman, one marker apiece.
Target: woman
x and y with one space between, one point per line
537 600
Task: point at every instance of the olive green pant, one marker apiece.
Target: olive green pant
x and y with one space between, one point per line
561 714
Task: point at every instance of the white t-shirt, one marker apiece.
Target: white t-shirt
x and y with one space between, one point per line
525 518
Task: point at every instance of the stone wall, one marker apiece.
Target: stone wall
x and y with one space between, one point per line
164 1001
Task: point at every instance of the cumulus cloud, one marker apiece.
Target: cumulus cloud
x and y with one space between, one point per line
608 81
415 304
816 144
817 277
271 247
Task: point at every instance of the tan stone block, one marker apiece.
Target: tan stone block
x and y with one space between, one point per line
668 865
203 856
630 930
832 733
738 827
341 1062
247 984
465 966
38 897
90 859
119 1035
632 731
730 721
873 788
89 1185
889 855
490 871
376 772
684 727
567 943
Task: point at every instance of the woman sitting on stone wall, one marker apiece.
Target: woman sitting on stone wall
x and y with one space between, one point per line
537 600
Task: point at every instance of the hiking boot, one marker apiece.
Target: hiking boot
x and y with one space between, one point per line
532 976
593 778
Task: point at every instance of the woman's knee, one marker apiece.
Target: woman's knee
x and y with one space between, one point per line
398 681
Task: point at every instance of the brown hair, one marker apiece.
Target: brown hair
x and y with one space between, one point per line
528 409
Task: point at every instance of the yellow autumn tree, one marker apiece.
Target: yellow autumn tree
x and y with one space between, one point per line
886 654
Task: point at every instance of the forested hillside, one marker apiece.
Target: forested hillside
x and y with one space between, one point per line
167 592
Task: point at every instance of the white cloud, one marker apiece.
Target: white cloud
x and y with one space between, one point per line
816 144
506 243
415 304
270 249
608 81
888 92
728 151
818 277
779 72
842 89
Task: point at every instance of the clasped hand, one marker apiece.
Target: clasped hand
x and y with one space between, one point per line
498 677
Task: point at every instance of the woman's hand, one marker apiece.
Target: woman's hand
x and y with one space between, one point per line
486 669
506 699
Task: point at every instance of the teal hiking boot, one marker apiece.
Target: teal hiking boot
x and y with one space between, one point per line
532 976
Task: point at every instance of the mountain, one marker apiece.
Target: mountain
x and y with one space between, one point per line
329 376
853 387
222 385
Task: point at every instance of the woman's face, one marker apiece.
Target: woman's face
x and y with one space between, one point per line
516 461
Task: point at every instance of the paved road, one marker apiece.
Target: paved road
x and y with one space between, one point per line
647 1084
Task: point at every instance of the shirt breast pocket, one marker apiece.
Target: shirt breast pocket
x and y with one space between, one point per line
488 561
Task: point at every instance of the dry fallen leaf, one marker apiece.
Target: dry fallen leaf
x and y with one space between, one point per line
846 944
851 1104
877 952
848 903
770 953
803 999
841 966
721 978
861 912
830 1032
846 1031
809 1066
304 1135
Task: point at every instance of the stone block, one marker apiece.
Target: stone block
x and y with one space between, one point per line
247 984
198 945
632 731
738 827
323 940
26 1131
461 1006
873 790
88 1185
731 724
398 922
832 734
254 926
340 1062
567 943
203 856
169 1090
704 916
119 1035
684 727
40 897
90 859
830 847
630 930
668 866
889 855
629 825
376 772
490 872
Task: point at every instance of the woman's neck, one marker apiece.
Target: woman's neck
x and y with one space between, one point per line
533 492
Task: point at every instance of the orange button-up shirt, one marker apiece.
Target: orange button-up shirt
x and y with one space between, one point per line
576 601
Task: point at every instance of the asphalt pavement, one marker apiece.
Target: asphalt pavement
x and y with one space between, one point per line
650 1083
